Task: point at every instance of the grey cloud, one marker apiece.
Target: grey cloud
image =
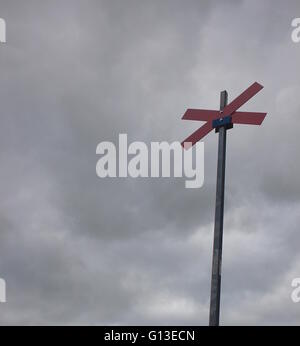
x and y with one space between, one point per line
76 249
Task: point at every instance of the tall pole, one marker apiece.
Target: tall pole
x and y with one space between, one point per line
222 121
214 313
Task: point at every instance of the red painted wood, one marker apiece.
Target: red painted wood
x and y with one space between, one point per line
200 114
197 135
242 99
249 118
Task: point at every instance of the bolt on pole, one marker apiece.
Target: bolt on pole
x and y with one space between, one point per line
214 313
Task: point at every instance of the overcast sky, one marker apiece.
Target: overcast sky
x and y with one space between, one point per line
77 249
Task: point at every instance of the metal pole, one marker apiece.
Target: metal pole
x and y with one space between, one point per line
214 312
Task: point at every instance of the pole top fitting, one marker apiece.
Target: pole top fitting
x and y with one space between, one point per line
224 121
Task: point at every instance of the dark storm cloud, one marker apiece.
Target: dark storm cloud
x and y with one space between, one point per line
78 249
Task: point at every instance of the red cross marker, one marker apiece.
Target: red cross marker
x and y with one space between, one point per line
221 121
228 115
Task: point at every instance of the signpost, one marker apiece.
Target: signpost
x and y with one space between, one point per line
221 121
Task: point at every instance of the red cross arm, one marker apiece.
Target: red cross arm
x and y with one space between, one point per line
242 99
200 114
197 135
249 118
